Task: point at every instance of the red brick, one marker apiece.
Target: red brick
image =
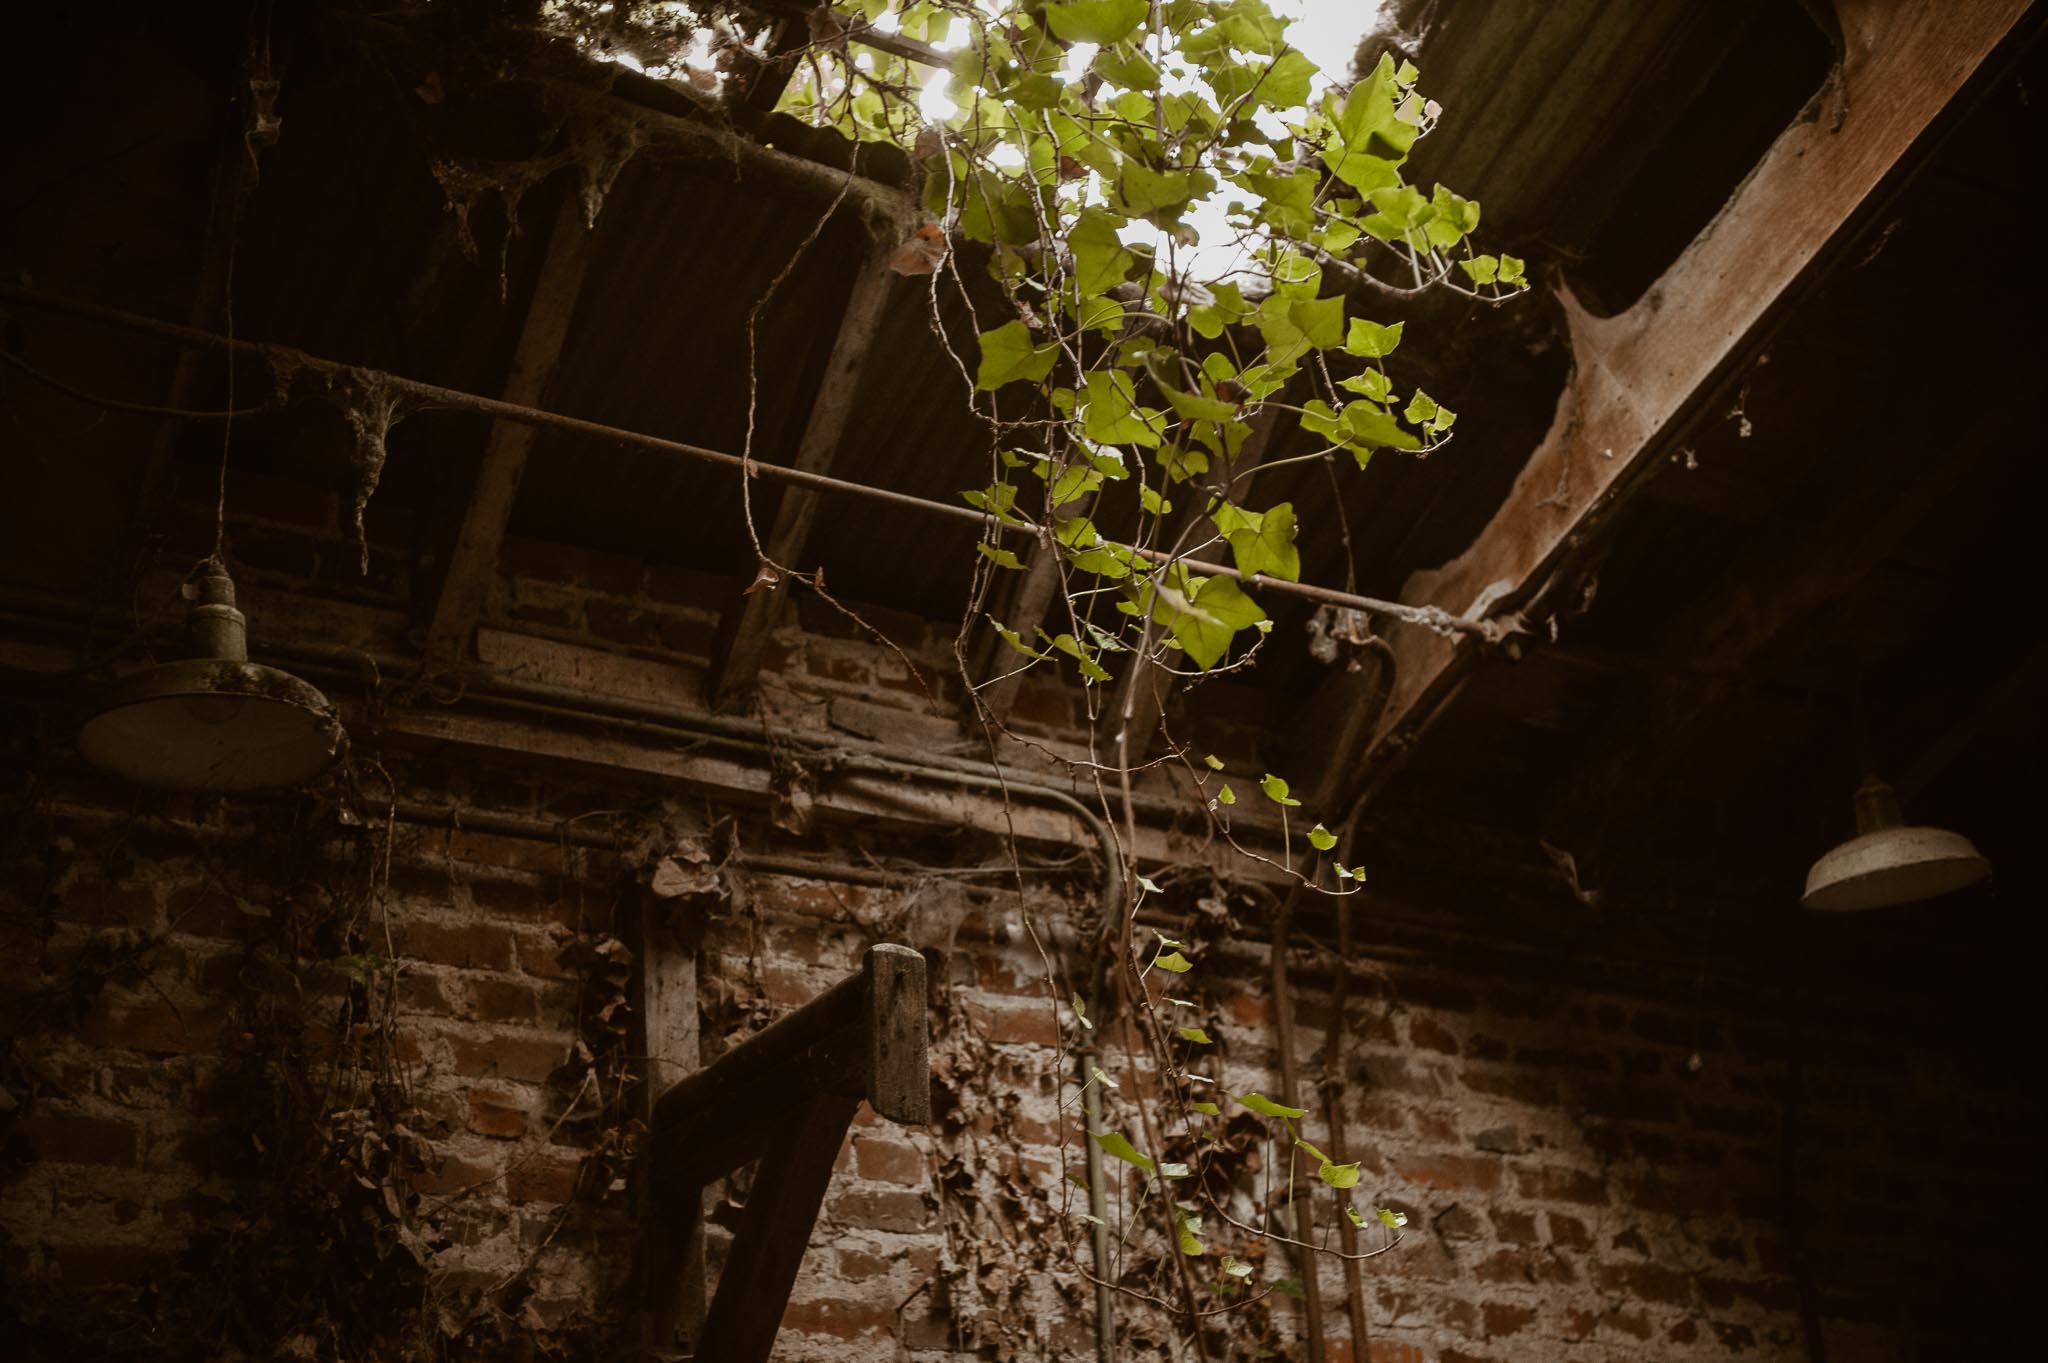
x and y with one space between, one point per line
503 853
531 1059
1519 1086
423 993
856 1264
475 945
497 1114
128 1264
548 1175
505 896
542 956
77 1138
888 1161
1452 1171
1426 1032
1505 1318
1393 1351
502 1000
452 1175
1028 1025
883 1209
1648 1282
1551 1184
90 900
846 1319
1251 1010
1569 1231
156 1027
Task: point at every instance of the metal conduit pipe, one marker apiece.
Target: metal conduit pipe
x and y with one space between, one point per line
288 358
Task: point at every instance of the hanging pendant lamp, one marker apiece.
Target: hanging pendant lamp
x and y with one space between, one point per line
214 721
1888 863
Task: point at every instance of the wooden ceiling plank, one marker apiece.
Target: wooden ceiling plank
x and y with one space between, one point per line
473 562
747 625
1639 375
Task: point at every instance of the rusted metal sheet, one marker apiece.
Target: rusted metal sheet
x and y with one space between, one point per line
1639 374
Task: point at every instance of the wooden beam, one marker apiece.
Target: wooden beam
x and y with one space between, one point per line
473 562
1641 375
747 624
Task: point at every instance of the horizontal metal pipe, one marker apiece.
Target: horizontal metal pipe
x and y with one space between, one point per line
287 358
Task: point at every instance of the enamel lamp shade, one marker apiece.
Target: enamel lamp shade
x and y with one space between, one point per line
214 721
1887 863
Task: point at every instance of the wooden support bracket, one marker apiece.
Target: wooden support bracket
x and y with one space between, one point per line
1641 375
785 1097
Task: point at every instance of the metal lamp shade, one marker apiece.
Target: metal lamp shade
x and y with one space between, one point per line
1887 863
216 722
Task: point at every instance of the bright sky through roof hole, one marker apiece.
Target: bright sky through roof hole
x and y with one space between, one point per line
1326 32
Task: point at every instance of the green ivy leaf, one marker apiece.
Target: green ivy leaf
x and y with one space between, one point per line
1173 961
1196 1035
1096 21
1216 609
1236 1269
1226 796
1321 838
1100 258
1266 1107
1206 1109
1008 354
1276 791
1190 1233
1392 1220
1115 1145
1112 415
1002 558
1213 762
1372 340
1261 542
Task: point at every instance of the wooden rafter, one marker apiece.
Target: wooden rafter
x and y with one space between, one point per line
743 634
473 562
1641 375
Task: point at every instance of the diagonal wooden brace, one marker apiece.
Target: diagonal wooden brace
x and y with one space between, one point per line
785 1097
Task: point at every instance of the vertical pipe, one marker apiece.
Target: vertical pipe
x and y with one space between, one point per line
1304 1209
1098 1207
1340 1144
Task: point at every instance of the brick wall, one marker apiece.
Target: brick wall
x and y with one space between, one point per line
1591 1154
1591 1164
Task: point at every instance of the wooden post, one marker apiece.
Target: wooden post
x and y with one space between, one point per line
671 1267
